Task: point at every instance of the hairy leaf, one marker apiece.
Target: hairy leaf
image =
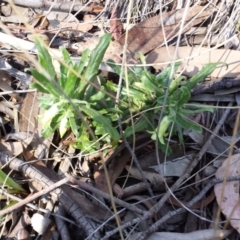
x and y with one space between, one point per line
44 58
96 57
45 83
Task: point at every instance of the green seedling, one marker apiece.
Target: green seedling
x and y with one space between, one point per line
78 98
147 93
12 186
71 100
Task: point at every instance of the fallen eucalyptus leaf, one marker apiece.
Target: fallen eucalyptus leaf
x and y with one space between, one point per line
153 178
207 234
227 194
193 59
176 167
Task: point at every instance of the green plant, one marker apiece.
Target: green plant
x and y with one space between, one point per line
147 94
10 186
73 101
13 187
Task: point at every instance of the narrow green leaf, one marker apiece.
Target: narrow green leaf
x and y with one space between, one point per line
187 124
39 87
46 101
133 92
44 58
97 56
143 60
200 76
179 130
72 80
97 97
141 125
63 126
80 69
64 69
187 112
46 83
96 116
163 77
133 76
10 182
164 125
182 96
175 84
147 80
115 68
73 126
52 127
83 62
48 115
66 55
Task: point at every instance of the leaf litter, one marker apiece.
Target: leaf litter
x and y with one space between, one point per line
111 191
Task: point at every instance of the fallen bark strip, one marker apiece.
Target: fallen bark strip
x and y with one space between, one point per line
61 224
69 204
217 84
61 6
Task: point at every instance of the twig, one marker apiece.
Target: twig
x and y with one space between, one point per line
172 213
64 198
195 161
193 164
156 225
35 207
133 155
63 6
137 163
61 225
106 195
34 196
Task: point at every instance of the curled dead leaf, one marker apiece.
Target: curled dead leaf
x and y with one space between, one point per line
193 59
227 195
153 178
116 26
152 32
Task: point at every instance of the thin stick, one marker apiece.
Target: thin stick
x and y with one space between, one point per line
193 164
156 225
106 195
34 196
177 183
171 213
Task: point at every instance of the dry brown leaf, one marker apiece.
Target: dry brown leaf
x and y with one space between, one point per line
206 234
229 203
114 170
196 58
83 27
39 21
29 111
114 51
153 178
116 26
5 84
150 32
21 224
15 148
88 207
